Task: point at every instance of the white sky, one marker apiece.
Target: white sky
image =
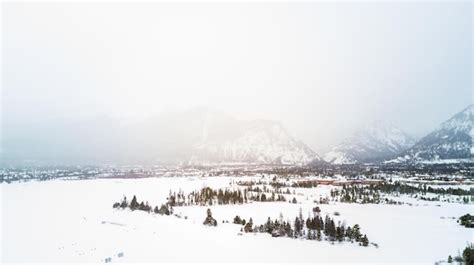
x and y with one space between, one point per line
322 69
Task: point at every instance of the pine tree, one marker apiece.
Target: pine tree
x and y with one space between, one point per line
356 232
209 219
249 226
309 224
339 234
237 220
124 203
365 241
298 227
134 203
349 233
468 254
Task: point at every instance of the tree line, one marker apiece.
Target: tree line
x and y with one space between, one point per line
208 197
402 188
164 209
372 193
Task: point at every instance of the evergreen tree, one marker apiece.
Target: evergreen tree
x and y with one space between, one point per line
134 204
298 227
356 232
349 233
124 203
269 226
237 220
309 224
365 241
164 210
209 219
339 234
468 254
249 226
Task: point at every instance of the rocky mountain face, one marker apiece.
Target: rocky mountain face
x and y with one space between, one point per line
374 143
227 140
452 141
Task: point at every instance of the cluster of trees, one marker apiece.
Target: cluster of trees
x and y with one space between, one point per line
262 197
467 220
266 189
402 188
297 184
315 228
250 183
467 256
372 193
208 196
248 226
356 194
165 209
305 184
359 194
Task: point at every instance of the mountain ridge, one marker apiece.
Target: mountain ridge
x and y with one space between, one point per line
373 143
452 140
254 141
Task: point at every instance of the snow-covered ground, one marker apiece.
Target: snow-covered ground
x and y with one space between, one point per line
73 221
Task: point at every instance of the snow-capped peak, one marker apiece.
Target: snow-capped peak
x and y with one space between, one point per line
374 142
258 141
452 140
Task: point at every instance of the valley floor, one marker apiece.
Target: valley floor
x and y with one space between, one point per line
73 221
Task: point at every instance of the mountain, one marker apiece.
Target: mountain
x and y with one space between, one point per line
228 140
195 136
375 142
452 141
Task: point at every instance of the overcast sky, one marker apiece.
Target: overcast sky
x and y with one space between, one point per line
322 69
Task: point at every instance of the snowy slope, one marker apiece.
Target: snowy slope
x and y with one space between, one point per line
451 141
258 141
373 143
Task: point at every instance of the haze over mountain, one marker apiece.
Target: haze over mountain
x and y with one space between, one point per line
225 140
81 73
452 141
196 136
373 143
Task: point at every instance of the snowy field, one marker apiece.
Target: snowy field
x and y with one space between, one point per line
73 221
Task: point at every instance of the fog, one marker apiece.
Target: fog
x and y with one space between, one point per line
321 69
